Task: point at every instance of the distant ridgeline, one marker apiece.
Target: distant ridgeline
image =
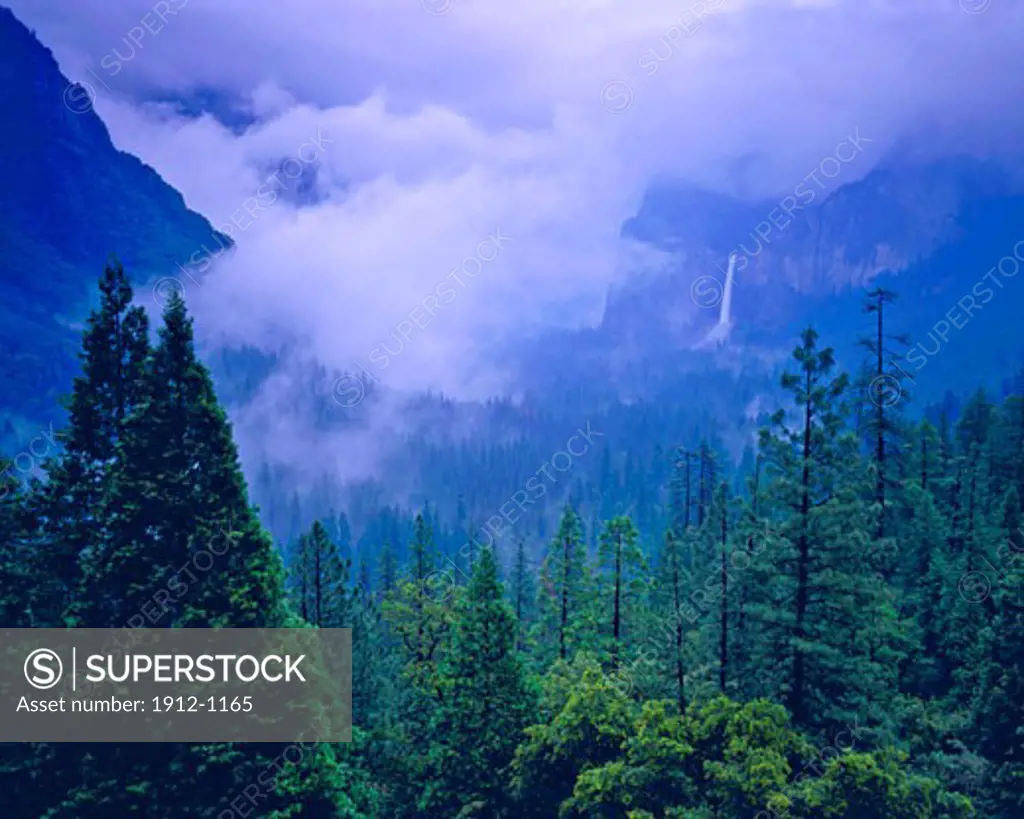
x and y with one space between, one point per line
945 235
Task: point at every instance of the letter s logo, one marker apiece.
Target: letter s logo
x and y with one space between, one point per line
39 668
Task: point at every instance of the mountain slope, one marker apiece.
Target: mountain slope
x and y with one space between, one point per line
69 200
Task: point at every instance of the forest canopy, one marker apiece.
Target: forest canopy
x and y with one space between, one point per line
835 629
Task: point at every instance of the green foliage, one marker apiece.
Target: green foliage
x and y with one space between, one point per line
148 479
863 786
829 602
483 703
826 643
321 586
17 582
522 593
590 719
565 594
74 504
721 758
622 568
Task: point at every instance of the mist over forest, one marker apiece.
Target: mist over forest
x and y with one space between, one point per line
641 384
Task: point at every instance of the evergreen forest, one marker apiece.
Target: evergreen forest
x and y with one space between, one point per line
833 629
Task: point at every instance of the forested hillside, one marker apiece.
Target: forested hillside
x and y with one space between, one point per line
69 198
838 634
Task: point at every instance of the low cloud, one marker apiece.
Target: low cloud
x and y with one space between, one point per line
443 123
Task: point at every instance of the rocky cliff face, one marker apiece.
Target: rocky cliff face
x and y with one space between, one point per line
894 218
929 231
897 215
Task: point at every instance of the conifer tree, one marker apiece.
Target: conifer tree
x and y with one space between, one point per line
681 489
562 594
341 534
419 608
621 558
791 588
21 764
365 579
375 664
927 458
1000 711
169 488
753 533
181 493
72 506
523 592
301 577
885 394
925 537
422 556
672 610
706 486
69 512
822 613
804 459
321 581
388 570
17 582
722 510
484 704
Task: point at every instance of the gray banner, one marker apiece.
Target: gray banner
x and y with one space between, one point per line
176 685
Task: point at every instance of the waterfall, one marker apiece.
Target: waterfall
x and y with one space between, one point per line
724 320
720 332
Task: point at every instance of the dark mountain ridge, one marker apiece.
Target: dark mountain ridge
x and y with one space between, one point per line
70 199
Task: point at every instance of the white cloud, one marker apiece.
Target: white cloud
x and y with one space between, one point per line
447 127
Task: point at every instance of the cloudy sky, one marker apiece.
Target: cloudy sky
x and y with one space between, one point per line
507 139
